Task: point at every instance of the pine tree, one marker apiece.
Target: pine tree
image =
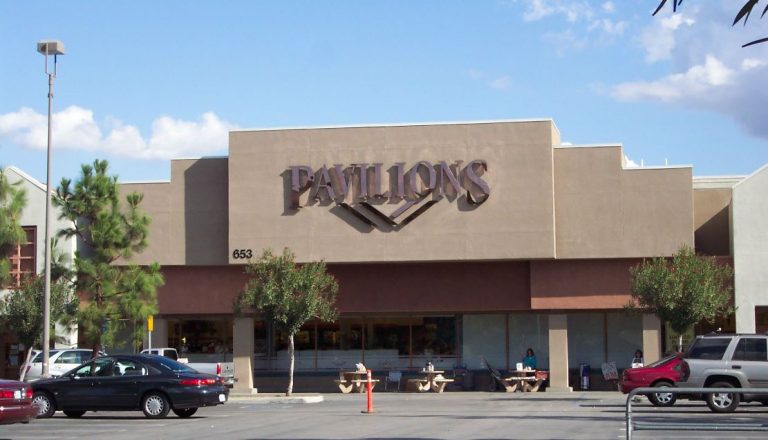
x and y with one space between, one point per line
114 298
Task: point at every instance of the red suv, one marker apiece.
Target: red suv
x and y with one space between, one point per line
663 373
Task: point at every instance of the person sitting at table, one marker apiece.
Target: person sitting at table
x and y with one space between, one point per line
529 361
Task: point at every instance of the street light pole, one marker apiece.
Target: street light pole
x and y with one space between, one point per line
46 48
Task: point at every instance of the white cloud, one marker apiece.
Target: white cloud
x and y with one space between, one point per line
707 69
608 26
572 11
75 128
658 39
752 63
582 23
566 40
501 83
697 80
476 74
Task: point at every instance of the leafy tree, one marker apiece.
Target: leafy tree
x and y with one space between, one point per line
111 296
683 290
743 14
289 295
12 202
21 310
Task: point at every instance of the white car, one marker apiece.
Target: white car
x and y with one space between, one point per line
59 362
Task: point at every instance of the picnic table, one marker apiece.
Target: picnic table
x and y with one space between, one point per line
430 380
349 381
524 380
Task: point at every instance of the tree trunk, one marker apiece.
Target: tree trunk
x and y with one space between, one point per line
24 366
96 350
680 342
290 367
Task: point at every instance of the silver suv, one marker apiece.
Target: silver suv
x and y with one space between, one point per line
60 361
727 361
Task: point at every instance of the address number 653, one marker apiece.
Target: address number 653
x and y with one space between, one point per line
242 254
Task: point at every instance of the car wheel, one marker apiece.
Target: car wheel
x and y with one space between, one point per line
45 404
184 413
74 414
662 399
155 405
723 402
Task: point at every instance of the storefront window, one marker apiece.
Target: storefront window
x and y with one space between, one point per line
304 339
388 334
201 338
435 336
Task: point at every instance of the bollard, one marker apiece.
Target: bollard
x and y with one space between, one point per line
369 390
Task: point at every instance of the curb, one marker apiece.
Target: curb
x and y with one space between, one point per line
275 399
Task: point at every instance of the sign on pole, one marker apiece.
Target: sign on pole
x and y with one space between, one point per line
150 327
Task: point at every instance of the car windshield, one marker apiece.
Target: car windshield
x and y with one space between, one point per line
39 356
176 367
662 361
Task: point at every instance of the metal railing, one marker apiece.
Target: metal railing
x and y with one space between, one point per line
690 426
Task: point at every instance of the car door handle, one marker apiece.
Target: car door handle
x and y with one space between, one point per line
736 367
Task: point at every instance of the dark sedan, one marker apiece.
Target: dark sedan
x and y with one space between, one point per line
152 384
16 402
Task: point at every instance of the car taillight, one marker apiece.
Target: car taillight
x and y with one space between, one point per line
16 394
198 382
685 371
218 368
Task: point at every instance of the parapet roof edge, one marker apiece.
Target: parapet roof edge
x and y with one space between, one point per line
401 124
224 156
143 182
600 145
26 176
758 171
660 167
137 182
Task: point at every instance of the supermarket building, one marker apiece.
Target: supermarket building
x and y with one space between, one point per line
459 244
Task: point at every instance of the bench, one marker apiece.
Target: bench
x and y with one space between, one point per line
523 383
349 385
423 384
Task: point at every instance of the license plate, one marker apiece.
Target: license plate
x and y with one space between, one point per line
17 394
222 398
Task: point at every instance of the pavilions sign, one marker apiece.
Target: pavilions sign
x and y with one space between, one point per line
362 188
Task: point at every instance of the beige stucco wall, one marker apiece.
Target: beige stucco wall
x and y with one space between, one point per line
515 222
750 247
546 202
189 214
711 222
605 211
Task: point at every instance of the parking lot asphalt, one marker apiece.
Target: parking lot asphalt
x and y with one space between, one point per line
417 416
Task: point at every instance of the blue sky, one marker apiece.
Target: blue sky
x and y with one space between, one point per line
146 81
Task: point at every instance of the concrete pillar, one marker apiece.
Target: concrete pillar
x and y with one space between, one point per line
243 353
651 338
558 353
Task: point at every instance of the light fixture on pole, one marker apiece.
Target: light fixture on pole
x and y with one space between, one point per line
55 48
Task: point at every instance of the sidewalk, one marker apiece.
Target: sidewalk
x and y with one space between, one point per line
244 397
255 397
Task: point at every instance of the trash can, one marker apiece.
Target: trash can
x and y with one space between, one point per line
584 372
